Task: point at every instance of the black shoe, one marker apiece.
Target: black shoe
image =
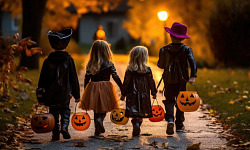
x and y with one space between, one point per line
55 137
65 134
170 128
97 132
180 128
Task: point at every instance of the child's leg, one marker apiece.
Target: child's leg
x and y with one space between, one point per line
169 107
180 114
55 132
171 92
98 120
136 126
65 114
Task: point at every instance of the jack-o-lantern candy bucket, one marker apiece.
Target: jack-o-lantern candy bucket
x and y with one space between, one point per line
188 101
42 123
80 121
157 113
117 116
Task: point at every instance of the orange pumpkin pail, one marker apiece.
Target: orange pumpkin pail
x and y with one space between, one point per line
80 121
157 113
188 101
43 122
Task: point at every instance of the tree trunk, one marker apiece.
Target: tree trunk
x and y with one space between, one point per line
33 11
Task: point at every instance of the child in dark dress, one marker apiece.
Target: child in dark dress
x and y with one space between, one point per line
138 82
58 82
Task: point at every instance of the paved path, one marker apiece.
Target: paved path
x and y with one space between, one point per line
198 129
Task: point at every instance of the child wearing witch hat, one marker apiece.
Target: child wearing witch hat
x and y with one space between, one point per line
58 82
174 59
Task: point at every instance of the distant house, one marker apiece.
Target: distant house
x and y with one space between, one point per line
111 22
8 25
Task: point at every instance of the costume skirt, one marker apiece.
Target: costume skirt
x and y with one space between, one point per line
99 96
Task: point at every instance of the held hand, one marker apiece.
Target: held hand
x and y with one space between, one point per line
122 98
77 100
191 80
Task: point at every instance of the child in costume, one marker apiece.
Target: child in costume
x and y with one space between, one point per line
58 82
99 94
174 59
138 82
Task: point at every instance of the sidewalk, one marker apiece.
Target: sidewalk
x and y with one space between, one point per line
199 128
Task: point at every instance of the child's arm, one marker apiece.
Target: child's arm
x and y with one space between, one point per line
161 62
74 81
127 79
86 79
116 77
193 66
42 83
151 83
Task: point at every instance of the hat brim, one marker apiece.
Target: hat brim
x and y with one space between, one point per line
176 35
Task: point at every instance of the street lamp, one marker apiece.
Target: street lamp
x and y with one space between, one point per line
163 16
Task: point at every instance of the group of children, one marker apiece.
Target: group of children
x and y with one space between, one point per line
58 82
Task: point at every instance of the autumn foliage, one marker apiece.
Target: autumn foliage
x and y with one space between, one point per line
9 48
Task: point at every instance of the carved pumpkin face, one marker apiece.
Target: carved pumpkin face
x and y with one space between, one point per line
80 121
158 113
42 123
188 101
117 116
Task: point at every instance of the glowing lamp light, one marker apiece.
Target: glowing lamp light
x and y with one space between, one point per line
162 15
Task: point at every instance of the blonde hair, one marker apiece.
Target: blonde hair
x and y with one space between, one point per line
99 52
138 58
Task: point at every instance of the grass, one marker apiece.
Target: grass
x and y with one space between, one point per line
227 92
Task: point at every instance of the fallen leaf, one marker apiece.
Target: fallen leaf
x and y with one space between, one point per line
21 119
2 104
194 146
135 147
2 145
16 105
11 100
7 110
245 92
79 144
244 97
247 108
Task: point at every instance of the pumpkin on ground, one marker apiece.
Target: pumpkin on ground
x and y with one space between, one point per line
158 113
188 101
117 116
42 123
80 121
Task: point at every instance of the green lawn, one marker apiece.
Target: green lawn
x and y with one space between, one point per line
227 91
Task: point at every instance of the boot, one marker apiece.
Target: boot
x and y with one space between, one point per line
98 120
136 126
65 123
170 127
55 131
55 136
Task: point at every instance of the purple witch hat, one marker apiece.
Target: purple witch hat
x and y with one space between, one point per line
178 30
